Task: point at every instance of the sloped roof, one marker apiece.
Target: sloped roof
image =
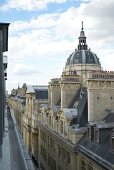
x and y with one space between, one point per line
55 108
44 106
41 94
70 113
109 118
100 153
30 89
33 88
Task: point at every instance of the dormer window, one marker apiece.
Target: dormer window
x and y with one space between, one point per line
113 143
112 140
96 135
49 120
61 127
90 132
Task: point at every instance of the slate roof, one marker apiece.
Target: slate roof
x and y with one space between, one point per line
55 108
109 118
30 89
45 106
70 113
41 94
79 102
101 153
40 91
82 57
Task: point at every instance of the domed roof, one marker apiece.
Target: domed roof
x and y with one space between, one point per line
82 55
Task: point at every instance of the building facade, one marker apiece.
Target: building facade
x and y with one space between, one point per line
70 124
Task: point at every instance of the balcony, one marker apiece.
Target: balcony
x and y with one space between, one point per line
13 154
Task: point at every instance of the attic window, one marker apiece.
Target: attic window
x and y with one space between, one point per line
89 132
96 136
49 121
61 127
112 140
113 143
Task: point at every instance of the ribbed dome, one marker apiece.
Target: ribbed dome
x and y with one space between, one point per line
82 57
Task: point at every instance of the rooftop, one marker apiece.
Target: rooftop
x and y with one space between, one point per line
100 149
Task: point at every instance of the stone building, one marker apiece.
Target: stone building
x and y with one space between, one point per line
69 125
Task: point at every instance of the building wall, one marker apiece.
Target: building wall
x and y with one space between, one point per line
47 134
18 109
55 94
100 98
83 69
54 153
86 163
29 103
68 92
52 150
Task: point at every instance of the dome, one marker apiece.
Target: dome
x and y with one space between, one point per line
82 57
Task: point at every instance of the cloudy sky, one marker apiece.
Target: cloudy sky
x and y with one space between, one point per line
43 33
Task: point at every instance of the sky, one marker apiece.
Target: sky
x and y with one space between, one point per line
43 33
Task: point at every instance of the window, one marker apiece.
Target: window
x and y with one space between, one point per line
96 136
113 143
49 160
112 140
89 132
82 164
63 154
49 121
54 165
54 148
67 157
42 167
59 168
89 166
61 127
59 150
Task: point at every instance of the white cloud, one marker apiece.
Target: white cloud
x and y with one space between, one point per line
43 21
56 35
83 0
28 5
22 70
51 34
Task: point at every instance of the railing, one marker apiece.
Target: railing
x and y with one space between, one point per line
101 75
